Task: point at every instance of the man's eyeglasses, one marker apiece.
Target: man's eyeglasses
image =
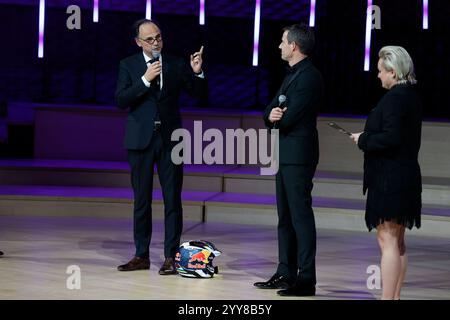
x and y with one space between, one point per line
152 40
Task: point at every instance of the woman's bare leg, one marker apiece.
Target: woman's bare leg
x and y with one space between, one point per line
403 262
388 239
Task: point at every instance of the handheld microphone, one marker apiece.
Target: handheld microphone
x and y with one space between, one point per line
281 101
156 54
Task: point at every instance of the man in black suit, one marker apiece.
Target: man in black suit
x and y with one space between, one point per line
296 120
149 84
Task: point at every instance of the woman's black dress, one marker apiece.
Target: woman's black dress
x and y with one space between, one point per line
391 143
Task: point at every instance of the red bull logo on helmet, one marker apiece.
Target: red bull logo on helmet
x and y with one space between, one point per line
199 260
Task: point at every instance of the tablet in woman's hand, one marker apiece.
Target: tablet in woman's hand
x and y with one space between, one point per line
337 127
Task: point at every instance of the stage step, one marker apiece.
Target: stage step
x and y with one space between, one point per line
239 208
330 213
330 184
215 178
101 174
89 201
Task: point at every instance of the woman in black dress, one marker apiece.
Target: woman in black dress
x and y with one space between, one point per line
391 143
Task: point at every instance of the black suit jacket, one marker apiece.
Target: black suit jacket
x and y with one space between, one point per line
299 143
391 142
144 102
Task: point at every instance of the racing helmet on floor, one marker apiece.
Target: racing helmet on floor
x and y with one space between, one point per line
194 259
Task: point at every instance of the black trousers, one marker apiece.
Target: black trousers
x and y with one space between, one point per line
296 224
171 179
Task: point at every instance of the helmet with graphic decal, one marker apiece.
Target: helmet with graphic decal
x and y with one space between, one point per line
194 259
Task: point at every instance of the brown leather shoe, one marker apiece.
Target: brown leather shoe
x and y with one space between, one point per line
136 263
168 267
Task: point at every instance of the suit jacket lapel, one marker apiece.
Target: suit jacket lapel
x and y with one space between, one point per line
165 74
142 66
295 75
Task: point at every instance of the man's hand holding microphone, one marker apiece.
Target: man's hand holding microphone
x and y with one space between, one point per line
277 113
153 71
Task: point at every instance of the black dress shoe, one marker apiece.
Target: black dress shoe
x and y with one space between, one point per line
298 291
168 267
136 263
1 253
276 282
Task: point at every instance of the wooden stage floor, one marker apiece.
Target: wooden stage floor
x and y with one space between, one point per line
38 251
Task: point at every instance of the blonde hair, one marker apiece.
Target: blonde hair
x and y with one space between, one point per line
395 58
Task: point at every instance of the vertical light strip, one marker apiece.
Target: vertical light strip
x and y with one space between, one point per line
312 13
368 35
202 13
148 10
41 28
256 32
425 14
95 11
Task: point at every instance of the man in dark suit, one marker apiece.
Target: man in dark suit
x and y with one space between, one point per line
296 120
149 84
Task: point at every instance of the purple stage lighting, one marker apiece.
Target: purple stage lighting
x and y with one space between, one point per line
368 35
312 13
256 32
41 28
95 12
202 12
148 10
425 14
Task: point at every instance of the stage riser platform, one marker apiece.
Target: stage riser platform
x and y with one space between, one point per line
325 218
213 208
86 174
63 208
433 194
100 131
99 179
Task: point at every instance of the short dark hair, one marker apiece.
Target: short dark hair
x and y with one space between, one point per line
140 22
303 36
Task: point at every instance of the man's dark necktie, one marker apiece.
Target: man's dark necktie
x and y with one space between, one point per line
155 82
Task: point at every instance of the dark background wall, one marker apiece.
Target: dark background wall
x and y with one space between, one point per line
80 66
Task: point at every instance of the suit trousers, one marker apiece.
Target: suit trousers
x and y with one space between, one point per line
296 224
171 179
